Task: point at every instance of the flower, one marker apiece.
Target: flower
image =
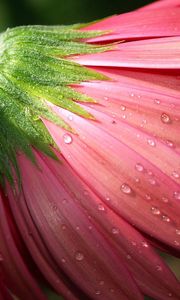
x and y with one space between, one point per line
90 157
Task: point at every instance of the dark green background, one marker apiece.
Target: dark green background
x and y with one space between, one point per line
21 12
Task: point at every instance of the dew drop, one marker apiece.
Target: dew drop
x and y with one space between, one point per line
79 256
98 292
124 116
63 227
178 231
159 268
101 207
70 117
148 197
155 210
145 244
67 138
170 294
166 219
156 101
165 118
106 98
123 108
115 230
134 243
125 188
169 143
151 142
152 181
176 195
139 167
112 290
165 200
63 260
128 256
101 282
175 174
176 243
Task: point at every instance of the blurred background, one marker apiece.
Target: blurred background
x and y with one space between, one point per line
51 12
22 12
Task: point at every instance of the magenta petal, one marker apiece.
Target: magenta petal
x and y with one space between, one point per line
16 274
109 167
146 266
161 4
82 256
139 24
150 54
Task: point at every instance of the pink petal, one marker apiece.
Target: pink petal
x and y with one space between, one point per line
144 263
57 216
161 4
138 24
17 276
108 166
160 53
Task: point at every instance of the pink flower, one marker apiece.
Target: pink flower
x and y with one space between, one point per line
89 224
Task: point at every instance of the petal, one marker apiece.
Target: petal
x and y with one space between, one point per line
139 24
144 263
17 276
160 53
108 166
161 4
80 255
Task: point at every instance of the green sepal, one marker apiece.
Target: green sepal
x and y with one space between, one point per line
35 71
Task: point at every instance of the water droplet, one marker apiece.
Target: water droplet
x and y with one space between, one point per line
63 260
159 268
151 142
165 118
178 231
63 227
155 210
77 227
101 207
115 230
123 108
152 181
64 201
176 243
139 167
124 116
113 122
165 200
101 282
132 95
169 143
125 188
176 195
166 219
112 290
67 138
106 98
90 227
128 256
137 180
148 197
156 101
79 256
133 243
145 244
70 117
98 292
175 174
170 294
108 198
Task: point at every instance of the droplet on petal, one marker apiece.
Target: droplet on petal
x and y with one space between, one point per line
166 219
156 101
165 200
101 282
123 108
155 210
139 167
165 118
151 142
145 244
176 195
178 231
101 207
152 181
175 174
79 256
67 138
98 292
126 189
158 268
115 230
148 197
